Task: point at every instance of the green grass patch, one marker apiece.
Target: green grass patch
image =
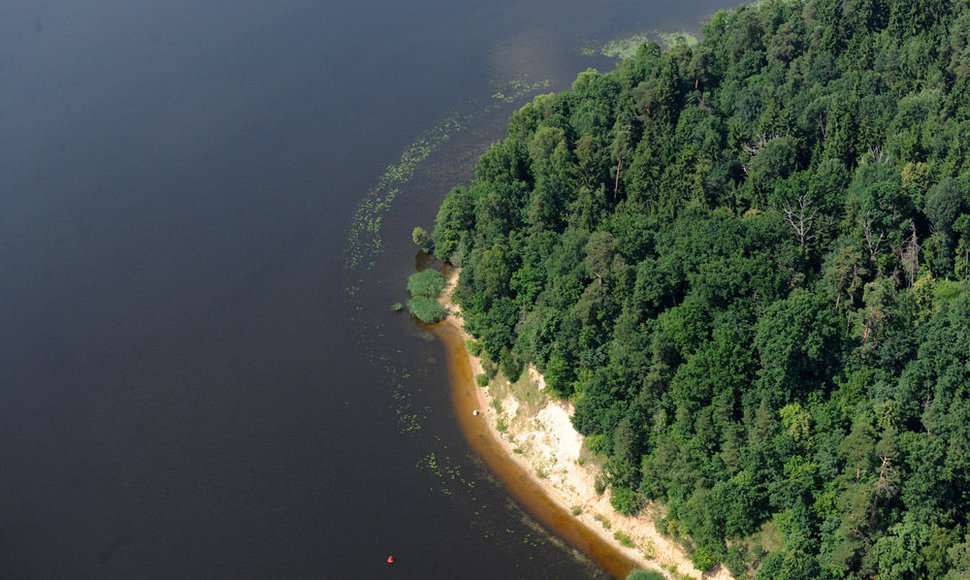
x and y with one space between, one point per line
427 284
481 380
623 539
649 550
768 538
642 574
528 394
603 521
427 310
498 388
577 510
587 456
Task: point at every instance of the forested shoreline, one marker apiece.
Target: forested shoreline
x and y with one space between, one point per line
746 264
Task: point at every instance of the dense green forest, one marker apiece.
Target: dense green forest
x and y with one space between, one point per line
746 263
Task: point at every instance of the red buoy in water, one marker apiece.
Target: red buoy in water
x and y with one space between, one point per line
390 559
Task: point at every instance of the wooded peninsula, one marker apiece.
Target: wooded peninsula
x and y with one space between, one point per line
745 263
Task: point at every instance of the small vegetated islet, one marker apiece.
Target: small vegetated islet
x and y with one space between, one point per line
424 287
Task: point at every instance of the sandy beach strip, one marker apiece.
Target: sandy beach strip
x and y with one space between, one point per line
537 456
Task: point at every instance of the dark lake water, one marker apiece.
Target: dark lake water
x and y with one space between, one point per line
200 376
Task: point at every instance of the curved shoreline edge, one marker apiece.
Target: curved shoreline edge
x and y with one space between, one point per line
552 499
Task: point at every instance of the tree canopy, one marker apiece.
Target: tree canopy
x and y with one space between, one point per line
746 263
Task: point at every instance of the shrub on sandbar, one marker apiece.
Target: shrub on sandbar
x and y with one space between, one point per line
426 309
427 283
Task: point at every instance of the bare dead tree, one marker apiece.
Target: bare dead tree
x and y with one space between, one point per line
823 124
758 144
755 147
885 484
910 255
872 240
801 217
616 185
852 274
879 156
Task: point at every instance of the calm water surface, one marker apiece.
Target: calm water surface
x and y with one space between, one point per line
187 389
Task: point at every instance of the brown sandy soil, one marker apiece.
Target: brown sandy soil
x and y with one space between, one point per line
537 434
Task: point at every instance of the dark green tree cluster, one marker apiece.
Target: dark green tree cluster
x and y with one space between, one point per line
746 264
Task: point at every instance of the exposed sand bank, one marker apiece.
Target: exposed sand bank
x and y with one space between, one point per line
534 433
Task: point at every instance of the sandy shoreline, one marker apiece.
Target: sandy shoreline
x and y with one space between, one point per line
539 438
